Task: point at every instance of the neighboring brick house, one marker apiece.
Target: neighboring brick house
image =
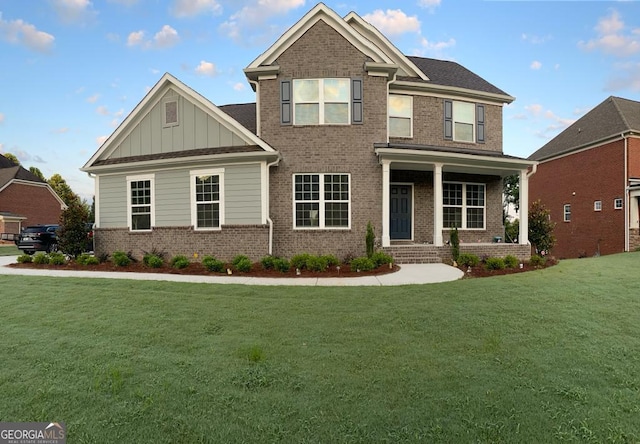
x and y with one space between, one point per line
25 199
588 176
345 130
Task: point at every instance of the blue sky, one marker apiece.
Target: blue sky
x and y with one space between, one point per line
71 70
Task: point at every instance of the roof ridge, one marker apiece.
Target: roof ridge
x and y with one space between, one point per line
615 99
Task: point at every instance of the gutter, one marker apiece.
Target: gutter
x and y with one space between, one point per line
269 220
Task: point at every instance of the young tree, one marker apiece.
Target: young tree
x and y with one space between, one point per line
12 158
62 189
511 191
36 171
72 234
541 228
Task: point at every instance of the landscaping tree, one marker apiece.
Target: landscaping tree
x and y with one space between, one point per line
454 240
511 191
62 189
370 240
72 234
12 158
36 171
541 228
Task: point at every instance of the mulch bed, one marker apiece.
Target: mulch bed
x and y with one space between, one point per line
481 271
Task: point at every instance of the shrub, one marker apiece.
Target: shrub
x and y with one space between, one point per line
153 261
454 239
494 263
179 261
120 258
82 259
362 264
281 265
103 257
212 264
331 260
57 258
72 234
24 259
40 259
370 239
511 261
540 227
537 260
468 260
300 260
268 262
317 263
91 260
381 258
242 263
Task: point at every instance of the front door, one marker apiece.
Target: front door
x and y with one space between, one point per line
400 214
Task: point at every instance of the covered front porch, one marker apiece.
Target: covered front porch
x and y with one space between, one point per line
427 191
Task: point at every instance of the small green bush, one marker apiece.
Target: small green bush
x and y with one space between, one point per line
537 260
81 259
268 262
300 260
24 259
242 263
331 260
212 264
179 261
281 265
370 239
511 261
40 259
57 258
381 258
454 239
120 259
362 264
468 260
316 263
153 261
494 263
91 260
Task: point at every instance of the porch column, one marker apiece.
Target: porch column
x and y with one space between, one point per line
437 205
386 238
523 236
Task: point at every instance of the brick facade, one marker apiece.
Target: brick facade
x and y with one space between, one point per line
579 180
35 202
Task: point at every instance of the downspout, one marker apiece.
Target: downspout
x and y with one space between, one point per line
626 194
269 220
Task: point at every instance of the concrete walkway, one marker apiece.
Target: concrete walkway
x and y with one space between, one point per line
407 275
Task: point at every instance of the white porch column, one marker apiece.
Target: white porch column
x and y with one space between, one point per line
437 205
523 236
386 238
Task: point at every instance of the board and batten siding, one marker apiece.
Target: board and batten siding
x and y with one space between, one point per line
242 196
196 129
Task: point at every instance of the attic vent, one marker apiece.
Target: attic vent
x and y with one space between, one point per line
170 113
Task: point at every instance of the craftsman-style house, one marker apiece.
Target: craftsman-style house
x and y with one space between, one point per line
589 178
345 130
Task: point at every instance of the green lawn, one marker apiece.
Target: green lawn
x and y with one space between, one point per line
546 356
9 250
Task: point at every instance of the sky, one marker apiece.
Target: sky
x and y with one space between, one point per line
72 70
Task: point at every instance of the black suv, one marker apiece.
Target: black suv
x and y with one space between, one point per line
38 238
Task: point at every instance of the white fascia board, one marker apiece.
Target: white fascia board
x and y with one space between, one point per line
432 89
331 18
384 44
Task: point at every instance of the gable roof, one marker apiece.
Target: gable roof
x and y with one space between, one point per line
610 119
16 172
244 113
154 96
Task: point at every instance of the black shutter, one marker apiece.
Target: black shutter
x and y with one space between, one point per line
480 123
448 120
286 107
357 115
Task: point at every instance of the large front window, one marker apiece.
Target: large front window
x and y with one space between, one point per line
321 200
463 205
140 198
206 199
321 101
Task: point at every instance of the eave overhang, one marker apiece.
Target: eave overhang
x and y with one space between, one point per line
432 88
587 146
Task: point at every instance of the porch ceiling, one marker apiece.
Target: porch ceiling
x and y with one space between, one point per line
457 162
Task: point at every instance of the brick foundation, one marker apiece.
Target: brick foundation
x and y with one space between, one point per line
421 254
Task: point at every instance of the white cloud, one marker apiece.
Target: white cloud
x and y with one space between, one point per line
534 109
190 8
239 86
1 118
393 21
434 49
165 38
101 139
612 38
102 110
554 123
206 69
60 130
21 32
535 65
124 2
73 11
429 3
627 77
254 17
93 99
536 39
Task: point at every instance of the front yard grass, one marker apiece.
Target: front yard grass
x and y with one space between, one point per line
9 250
546 356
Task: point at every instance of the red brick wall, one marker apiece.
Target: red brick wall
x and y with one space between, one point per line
36 203
633 149
595 174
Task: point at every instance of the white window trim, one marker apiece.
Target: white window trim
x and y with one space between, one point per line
321 201
166 124
597 205
616 201
321 102
194 204
566 212
465 207
389 117
151 179
474 121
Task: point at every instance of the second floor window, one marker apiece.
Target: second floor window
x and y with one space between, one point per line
321 101
400 116
464 121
